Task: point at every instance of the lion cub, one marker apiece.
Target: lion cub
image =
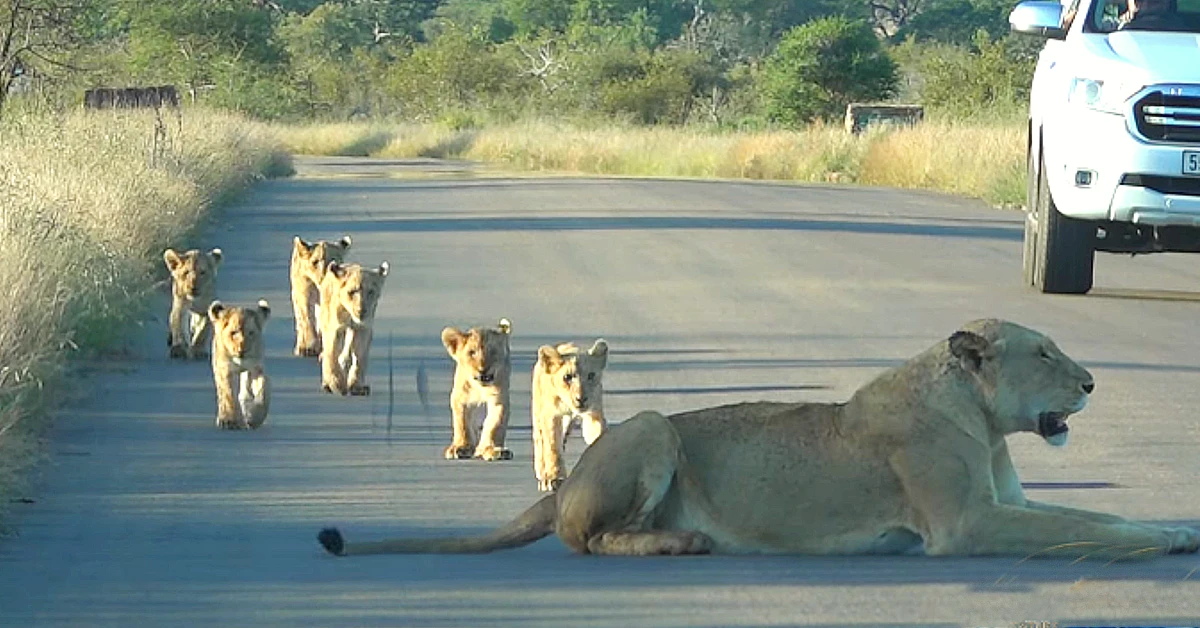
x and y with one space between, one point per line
309 261
567 389
193 287
237 362
349 294
482 370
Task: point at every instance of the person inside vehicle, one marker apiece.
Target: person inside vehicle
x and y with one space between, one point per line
1150 15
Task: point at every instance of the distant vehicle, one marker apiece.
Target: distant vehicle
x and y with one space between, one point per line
1114 134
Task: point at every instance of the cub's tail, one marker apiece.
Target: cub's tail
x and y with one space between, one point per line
529 526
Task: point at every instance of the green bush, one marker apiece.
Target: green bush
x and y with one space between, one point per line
962 81
822 66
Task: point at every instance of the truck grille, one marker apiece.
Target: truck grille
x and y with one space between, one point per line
1163 117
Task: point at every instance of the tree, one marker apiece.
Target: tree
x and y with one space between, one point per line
821 67
36 35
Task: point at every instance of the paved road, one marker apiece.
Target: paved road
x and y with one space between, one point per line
708 293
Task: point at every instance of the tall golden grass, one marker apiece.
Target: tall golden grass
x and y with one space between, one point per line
983 159
87 203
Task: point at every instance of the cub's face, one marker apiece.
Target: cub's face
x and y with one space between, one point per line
313 257
356 289
239 330
481 353
575 376
193 273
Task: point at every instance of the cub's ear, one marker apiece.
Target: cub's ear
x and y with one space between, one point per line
336 269
971 349
600 350
383 269
549 358
452 339
264 308
505 326
215 309
171 257
300 245
216 256
345 242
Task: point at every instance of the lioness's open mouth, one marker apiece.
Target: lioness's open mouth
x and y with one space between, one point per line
1052 424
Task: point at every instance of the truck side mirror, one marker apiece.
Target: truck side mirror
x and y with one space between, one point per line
1041 18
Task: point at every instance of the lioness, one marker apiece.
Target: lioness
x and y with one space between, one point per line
482 371
915 457
237 364
193 287
309 262
567 389
349 294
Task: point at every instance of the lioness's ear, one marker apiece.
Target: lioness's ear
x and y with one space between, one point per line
505 326
216 255
600 350
345 242
452 339
172 259
549 358
214 310
970 349
264 308
383 269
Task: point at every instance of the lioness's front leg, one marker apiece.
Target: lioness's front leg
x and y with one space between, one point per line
491 441
201 336
460 445
360 346
229 412
1017 531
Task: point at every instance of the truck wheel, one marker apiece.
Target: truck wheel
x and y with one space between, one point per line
1064 249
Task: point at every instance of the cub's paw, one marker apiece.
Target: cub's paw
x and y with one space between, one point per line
332 388
178 352
360 390
458 452
1183 540
549 486
492 454
229 424
307 352
199 354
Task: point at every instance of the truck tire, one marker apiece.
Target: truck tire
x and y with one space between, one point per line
1064 249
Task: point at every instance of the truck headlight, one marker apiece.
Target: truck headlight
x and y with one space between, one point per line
1105 96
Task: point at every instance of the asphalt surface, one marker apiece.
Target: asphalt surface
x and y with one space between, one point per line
707 292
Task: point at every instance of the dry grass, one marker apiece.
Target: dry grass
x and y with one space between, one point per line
978 159
87 203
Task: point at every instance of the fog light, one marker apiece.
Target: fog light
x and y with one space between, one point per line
1083 178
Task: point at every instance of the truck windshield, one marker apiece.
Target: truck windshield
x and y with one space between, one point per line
1170 16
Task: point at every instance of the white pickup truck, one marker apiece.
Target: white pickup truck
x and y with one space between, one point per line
1114 134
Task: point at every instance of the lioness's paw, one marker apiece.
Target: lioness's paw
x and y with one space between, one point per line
360 390
178 352
458 452
1183 540
492 454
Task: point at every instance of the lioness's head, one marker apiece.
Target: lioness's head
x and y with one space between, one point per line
357 289
481 351
1031 385
574 375
193 273
314 257
238 330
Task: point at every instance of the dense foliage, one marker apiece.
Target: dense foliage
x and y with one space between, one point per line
725 62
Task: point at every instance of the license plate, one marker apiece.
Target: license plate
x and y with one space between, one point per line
1191 162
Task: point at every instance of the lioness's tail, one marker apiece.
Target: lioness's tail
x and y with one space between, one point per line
529 526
